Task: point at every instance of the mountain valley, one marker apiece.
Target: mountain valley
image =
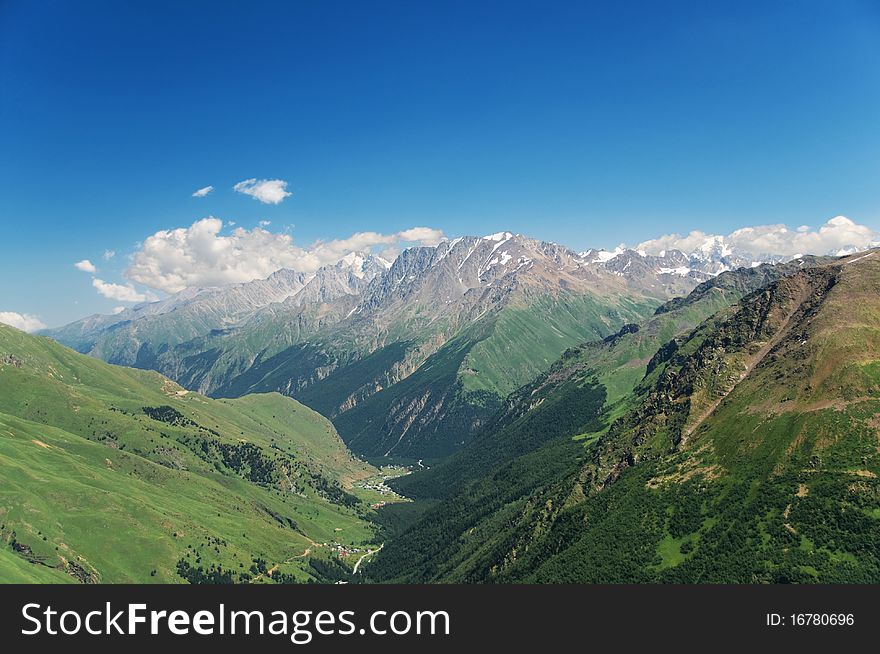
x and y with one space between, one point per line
597 417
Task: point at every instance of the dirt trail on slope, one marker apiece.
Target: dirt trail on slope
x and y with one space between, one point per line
751 362
275 567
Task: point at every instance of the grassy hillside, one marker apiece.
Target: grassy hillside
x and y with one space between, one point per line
747 453
528 338
119 475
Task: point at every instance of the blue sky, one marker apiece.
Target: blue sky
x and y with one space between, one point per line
584 123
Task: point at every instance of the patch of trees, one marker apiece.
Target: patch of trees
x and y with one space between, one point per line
169 415
248 460
213 574
426 543
332 491
747 528
329 570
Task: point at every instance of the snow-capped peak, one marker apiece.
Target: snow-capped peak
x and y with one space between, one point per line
355 261
602 255
362 265
713 247
498 236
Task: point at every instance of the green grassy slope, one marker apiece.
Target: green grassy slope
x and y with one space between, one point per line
114 474
526 340
423 415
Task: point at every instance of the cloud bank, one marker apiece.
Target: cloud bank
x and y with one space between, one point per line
840 235
202 192
86 266
120 292
23 321
199 255
267 191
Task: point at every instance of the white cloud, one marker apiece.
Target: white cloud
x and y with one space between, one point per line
424 235
120 292
686 244
109 254
86 266
202 192
117 310
267 191
836 235
264 223
22 321
199 255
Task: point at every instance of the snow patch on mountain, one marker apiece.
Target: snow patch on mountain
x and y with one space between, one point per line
600 255
682 271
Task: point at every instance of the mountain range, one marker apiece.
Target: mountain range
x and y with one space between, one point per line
564 417
408 358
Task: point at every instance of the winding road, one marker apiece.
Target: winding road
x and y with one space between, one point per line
365 555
